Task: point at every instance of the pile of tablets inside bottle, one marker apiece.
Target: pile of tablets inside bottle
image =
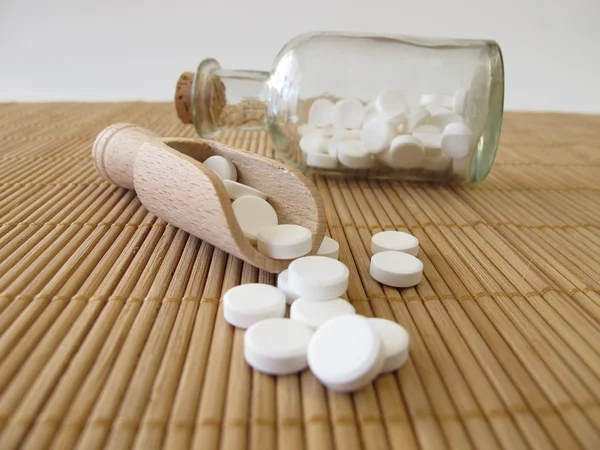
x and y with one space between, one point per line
386 133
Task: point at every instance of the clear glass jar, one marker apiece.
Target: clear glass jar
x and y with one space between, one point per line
414 87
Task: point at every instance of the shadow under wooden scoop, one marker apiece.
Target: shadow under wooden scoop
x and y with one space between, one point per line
173 184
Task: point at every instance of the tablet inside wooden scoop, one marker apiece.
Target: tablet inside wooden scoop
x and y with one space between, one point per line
173 184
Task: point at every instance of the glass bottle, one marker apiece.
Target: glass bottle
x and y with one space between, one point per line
416 88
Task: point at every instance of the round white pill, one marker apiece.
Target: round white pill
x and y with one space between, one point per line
321 112
370 108
318 277
332 148
329 248
284 241
224 168
376 135
395 340
315 314
462 167
429 140
348 113
435 109
342 133
247 304
253 214
396 269
236 190
346 353
321 160
427 129
432 100
306 128
399 121
370 117
417 118
442 118
406 152
436 163
390 103
283 285
277 346
457 140
459 101
353 154
394 241
327 131
313 142
448 102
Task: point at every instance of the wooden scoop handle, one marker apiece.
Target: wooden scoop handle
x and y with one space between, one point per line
171 183
114 151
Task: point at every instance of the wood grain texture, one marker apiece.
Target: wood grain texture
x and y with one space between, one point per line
171 182
111 327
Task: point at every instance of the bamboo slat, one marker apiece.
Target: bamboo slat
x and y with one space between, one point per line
111 329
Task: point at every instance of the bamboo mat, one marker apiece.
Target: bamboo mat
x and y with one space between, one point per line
111 333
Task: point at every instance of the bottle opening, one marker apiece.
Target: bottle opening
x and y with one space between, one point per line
227 99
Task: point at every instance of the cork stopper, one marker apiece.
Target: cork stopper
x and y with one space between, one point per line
183 97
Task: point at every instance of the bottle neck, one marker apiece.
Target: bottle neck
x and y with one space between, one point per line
224 99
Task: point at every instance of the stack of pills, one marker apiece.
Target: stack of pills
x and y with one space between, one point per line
349 134
344 350
258 219
394 261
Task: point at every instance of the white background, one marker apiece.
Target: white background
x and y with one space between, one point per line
134 49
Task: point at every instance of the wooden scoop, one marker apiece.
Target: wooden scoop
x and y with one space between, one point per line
173 184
